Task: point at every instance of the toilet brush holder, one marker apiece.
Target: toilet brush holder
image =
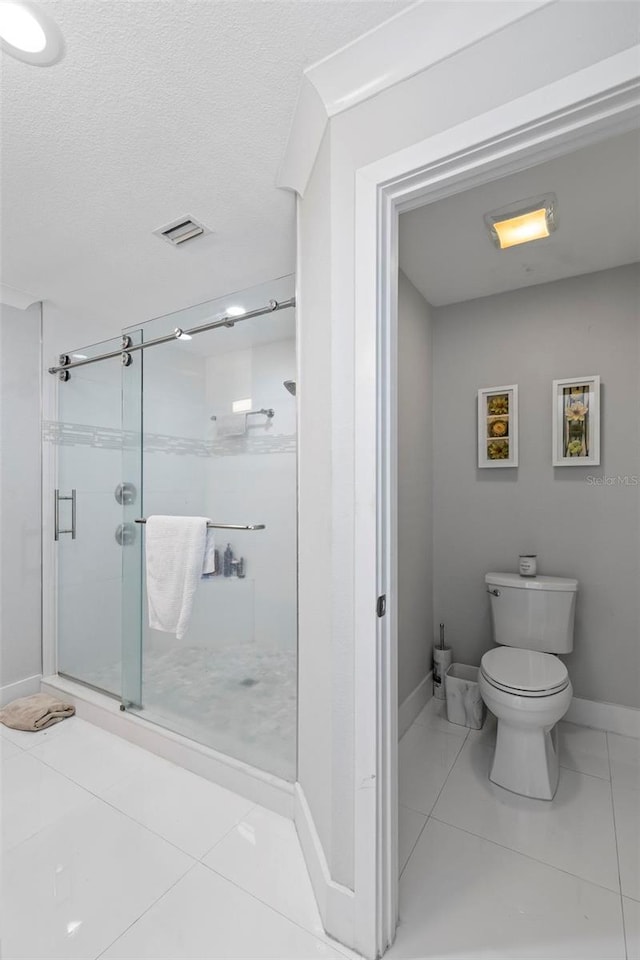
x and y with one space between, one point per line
442 657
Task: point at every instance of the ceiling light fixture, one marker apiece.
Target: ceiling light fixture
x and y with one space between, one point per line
523 221
29 34
235 311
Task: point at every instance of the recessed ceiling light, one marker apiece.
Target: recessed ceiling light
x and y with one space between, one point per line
522 221
29 34
235 311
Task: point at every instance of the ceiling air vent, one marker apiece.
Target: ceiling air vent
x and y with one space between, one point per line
181 230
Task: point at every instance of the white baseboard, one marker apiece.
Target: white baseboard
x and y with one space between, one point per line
263 788
336 903
21 688
604 716
587 713
413 704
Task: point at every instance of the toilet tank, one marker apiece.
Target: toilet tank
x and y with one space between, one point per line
535 613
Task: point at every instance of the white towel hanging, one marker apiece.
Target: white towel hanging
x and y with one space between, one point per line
175 562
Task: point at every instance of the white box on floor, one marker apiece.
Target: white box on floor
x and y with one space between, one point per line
465 706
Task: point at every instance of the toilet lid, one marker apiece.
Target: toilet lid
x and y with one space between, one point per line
528 671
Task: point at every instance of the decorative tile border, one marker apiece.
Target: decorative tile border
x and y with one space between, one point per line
108 438
79 434
236 446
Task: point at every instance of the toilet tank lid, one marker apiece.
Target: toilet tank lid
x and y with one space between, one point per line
561 584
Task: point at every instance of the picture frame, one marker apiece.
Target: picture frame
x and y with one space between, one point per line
498 426
576 422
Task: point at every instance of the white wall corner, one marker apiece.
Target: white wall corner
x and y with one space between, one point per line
336 902
12 297
307 129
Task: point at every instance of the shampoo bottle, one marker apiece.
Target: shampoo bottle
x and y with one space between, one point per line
227 568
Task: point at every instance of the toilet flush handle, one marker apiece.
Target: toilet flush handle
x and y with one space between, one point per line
493 591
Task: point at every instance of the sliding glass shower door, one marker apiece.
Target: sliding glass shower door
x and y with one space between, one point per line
87 437
216 430
201 425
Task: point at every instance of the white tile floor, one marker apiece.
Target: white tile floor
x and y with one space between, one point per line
489 874
111 852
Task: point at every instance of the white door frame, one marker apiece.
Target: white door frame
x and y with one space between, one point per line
587 106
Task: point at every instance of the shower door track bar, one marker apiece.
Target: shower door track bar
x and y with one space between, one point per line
128 347
223 526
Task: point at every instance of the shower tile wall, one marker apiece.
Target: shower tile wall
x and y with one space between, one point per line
253 479
231 682
174 451
175 431
235 480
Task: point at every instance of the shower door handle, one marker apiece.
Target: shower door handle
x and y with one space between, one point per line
57 532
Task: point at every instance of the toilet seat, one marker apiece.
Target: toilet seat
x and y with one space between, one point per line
525 673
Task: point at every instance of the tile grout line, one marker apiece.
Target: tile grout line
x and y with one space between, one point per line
146 910
615 834
426 821
228 833
112 806
195 860
527 856
26 749
583 773
428 815
234 883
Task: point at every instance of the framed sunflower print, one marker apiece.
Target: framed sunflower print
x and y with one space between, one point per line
498 426
576 422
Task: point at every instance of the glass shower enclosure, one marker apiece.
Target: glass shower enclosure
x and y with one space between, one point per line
199 425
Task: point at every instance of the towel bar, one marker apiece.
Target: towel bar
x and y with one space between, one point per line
223 526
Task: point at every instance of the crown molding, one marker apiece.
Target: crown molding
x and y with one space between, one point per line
418 37
11 297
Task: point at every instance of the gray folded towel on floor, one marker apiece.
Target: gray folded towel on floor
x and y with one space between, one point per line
36 712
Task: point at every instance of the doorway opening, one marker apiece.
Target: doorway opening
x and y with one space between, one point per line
502 358
538 128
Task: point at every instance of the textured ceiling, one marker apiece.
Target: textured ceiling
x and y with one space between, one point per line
160 108
447 254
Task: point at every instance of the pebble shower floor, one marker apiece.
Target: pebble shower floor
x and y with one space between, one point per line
239 700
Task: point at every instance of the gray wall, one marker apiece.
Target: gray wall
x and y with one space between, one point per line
20 496
415 517
484 518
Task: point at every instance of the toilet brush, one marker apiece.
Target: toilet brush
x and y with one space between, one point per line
442 657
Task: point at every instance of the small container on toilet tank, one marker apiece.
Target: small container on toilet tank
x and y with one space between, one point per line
528 565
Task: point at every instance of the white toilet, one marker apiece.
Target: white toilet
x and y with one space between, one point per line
523 683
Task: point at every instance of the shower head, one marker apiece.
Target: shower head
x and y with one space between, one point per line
290 385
